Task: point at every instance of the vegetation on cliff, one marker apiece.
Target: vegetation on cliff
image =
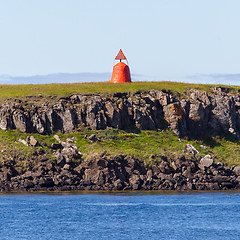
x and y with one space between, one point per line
179 133
145 145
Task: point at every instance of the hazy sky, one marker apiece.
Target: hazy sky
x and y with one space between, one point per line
164 39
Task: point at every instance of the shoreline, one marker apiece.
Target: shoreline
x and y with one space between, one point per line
119 193
122 173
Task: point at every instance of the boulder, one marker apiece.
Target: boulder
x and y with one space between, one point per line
23 141
164 167
192 150
66 167
60 159
134 179
69 153
93 138
57 138
205 162
33 142
56 146
236 170
220 179
118 184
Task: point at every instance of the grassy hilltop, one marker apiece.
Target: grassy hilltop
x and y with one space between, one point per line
63 90
144 144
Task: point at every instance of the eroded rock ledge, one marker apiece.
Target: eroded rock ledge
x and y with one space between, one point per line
119 172
198 114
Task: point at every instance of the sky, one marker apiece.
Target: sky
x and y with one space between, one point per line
173 40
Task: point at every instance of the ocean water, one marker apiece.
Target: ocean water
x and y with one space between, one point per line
120 216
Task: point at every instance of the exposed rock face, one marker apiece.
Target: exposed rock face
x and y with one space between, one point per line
119 172
198 114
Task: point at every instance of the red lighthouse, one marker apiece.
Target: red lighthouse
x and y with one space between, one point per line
121 71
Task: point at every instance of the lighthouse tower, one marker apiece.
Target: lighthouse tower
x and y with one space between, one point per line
121 71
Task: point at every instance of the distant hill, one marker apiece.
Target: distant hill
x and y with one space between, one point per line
61 78
219 79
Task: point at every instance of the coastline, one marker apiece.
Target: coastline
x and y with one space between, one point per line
120 193
123 173
171 143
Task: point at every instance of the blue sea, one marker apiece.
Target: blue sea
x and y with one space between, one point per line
120 216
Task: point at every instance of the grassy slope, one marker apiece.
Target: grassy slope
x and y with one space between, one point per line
144 144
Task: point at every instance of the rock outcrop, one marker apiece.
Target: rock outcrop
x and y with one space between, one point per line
198 114
118 172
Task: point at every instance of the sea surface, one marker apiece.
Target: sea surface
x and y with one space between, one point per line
120 216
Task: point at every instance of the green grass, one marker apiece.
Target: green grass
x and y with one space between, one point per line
145 145
63 90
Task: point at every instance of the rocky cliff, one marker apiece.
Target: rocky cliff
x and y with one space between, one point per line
196 114
59 165
118 172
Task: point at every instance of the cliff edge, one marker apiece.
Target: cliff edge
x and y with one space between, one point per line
196 114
